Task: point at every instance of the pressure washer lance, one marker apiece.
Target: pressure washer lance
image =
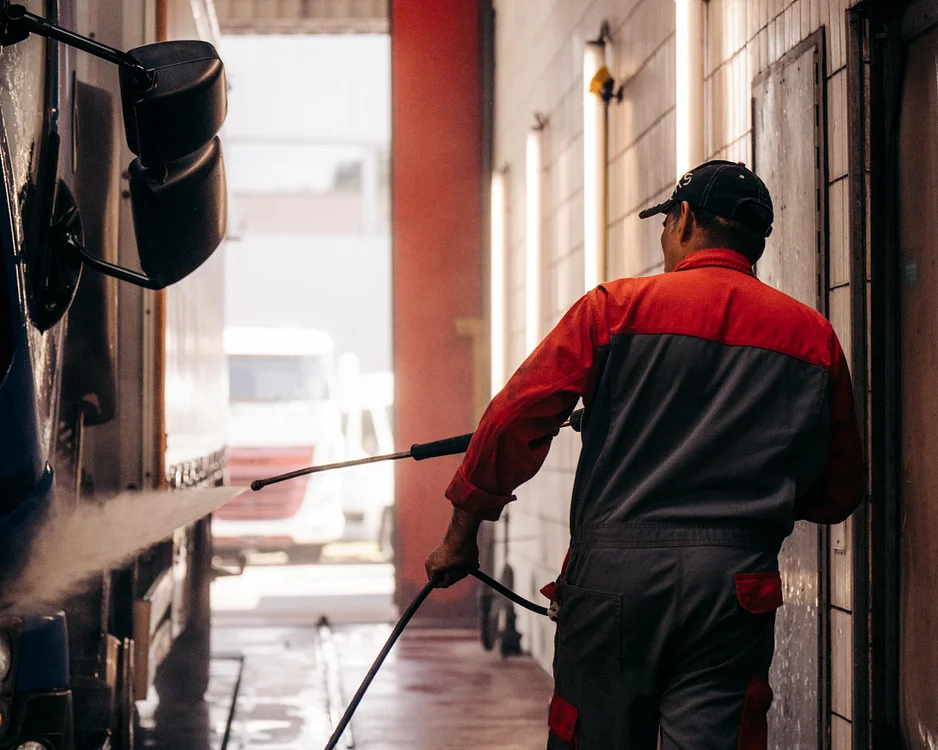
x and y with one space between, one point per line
418 452
402 623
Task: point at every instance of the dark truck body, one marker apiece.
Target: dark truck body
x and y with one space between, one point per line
115 394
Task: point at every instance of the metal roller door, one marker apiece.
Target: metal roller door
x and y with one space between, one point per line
788 143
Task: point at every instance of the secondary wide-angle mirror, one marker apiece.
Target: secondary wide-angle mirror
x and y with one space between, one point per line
180 213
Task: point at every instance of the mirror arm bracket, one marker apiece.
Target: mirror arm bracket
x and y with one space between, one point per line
17 23
109 269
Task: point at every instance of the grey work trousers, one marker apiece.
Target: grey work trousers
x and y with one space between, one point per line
672 633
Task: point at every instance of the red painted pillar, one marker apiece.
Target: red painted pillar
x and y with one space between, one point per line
437 235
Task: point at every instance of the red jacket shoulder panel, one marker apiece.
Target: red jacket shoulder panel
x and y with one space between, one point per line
719 304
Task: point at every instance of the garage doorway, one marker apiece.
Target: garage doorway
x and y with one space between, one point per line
307 325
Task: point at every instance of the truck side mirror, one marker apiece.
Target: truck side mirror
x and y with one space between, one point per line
174 100
181 104
180 213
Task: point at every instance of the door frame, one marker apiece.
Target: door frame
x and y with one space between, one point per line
884 364
858 105
878 36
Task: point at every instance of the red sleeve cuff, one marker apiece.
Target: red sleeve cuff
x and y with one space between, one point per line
464 495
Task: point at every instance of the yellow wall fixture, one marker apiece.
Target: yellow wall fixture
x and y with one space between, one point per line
533 234
689 84
497 281
601 80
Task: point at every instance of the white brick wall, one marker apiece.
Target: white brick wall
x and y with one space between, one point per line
737 51
539 52
641 135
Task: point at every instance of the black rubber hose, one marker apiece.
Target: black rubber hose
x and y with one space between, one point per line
388 645
508 593
399 628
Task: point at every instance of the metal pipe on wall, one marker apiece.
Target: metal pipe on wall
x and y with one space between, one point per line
594 168
162 20
497 285
533 217
689 84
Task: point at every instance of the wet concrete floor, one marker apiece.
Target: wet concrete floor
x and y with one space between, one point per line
439 690
283 682
167 724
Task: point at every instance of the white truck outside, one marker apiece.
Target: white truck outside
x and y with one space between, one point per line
283 415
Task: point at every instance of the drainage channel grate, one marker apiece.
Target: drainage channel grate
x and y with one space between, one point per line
222 696
327 654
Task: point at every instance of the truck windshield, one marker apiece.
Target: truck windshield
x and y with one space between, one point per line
277 378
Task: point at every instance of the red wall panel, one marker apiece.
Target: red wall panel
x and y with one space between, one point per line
436 174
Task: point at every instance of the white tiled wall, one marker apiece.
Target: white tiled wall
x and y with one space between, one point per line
642 168
539 59
539 52
743 38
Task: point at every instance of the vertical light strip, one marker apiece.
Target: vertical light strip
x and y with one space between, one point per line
532 276
594 172
497 282
689 85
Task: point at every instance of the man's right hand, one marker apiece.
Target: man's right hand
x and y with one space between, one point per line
458 553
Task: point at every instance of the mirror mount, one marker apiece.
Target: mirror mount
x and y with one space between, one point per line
179 217
120 273
17 23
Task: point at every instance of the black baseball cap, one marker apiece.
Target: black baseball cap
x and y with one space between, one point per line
726 189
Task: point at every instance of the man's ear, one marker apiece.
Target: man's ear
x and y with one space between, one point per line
686 222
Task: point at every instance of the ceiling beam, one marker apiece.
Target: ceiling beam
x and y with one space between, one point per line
303 16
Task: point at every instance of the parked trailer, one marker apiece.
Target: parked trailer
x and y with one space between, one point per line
107 387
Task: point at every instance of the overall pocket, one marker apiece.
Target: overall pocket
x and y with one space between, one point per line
759 593
589 629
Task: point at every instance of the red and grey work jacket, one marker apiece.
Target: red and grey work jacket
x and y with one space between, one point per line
711 398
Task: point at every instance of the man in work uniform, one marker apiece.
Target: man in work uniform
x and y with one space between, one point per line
718 411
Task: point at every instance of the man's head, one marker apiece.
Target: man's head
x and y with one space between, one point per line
719 204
